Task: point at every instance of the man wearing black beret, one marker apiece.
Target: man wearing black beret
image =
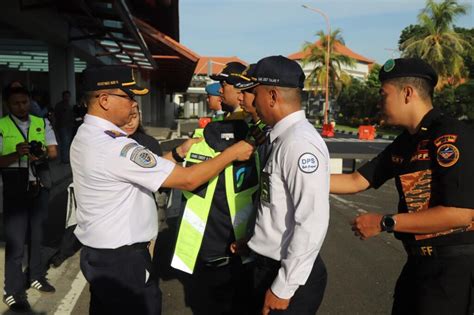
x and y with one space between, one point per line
432 164
293 213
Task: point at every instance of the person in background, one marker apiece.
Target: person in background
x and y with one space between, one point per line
64 124
27 142
214 101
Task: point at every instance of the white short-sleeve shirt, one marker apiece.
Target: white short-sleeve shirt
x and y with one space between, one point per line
293 215
114 178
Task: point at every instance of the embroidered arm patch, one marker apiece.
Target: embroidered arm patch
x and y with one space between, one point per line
143 157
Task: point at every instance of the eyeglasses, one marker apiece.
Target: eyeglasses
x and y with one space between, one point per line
126 96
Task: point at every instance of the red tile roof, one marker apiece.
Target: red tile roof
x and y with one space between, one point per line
340 48
217 64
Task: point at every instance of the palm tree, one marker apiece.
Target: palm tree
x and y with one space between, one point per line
316 80
437 42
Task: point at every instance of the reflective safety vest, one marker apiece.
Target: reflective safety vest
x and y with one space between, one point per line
12 135
197 208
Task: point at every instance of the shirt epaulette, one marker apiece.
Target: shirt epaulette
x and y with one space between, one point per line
114 134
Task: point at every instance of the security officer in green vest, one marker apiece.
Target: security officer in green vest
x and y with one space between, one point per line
215 215
26 143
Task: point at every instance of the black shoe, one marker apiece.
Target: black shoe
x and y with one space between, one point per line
17 302
42 285
57 260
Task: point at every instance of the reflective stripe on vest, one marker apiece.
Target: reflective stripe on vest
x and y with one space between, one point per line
12 135
196 211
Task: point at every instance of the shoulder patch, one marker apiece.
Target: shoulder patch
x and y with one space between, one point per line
143 157
126 148
114 133
445 139
447 155
308 163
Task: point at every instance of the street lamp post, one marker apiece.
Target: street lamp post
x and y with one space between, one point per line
328 29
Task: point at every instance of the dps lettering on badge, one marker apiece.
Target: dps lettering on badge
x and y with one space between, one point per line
308 163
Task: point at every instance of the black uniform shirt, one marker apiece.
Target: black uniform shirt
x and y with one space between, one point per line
432 167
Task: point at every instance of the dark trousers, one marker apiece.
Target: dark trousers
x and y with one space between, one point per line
24 219
118 280
222 290
307 297
65 139
435 286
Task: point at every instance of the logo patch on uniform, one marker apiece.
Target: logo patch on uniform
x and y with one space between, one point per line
445 139
397 159
143 157
308 163
447 155
127 148
239 176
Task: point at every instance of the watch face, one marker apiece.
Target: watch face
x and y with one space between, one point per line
388 223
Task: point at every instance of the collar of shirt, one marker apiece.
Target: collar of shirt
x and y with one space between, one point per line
427 121
101 123
20 122
285 123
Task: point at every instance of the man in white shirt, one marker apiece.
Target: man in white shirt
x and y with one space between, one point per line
26 144
293 215
114 178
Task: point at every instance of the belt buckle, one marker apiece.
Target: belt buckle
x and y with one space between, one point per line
218 262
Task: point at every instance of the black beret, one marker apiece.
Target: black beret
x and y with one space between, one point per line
407 67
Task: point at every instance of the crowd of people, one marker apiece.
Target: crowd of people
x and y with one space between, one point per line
256 182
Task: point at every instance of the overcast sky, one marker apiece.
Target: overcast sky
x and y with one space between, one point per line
252 29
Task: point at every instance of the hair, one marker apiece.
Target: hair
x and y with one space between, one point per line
15 90
290 95
424 88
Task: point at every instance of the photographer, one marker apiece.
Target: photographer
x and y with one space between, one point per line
26 143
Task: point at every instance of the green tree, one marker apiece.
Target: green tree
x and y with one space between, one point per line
437 42
316 80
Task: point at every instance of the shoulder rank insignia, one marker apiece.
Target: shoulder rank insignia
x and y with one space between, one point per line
115 134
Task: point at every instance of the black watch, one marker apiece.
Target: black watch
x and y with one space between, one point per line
388 223
176 156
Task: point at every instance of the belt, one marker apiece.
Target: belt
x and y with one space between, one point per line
440 251
218 262
125 248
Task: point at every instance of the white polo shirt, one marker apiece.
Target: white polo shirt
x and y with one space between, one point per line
293 214
114 178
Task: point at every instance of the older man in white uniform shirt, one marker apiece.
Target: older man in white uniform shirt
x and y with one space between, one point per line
113 180
293 215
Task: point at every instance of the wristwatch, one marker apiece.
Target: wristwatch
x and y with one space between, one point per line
176 156
388 223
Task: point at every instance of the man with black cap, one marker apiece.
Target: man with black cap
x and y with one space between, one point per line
228 77
114 178
293 214
431 162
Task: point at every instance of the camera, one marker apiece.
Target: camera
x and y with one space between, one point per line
36 149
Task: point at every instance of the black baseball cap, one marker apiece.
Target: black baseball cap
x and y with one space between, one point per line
231 73
111 77
279 71
245 81
407 67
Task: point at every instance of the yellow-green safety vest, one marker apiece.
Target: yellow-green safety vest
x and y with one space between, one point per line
12 135
196 211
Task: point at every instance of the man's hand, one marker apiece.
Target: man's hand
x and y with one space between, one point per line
367 225
23 148
273 302
240 247
183 149
243 150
